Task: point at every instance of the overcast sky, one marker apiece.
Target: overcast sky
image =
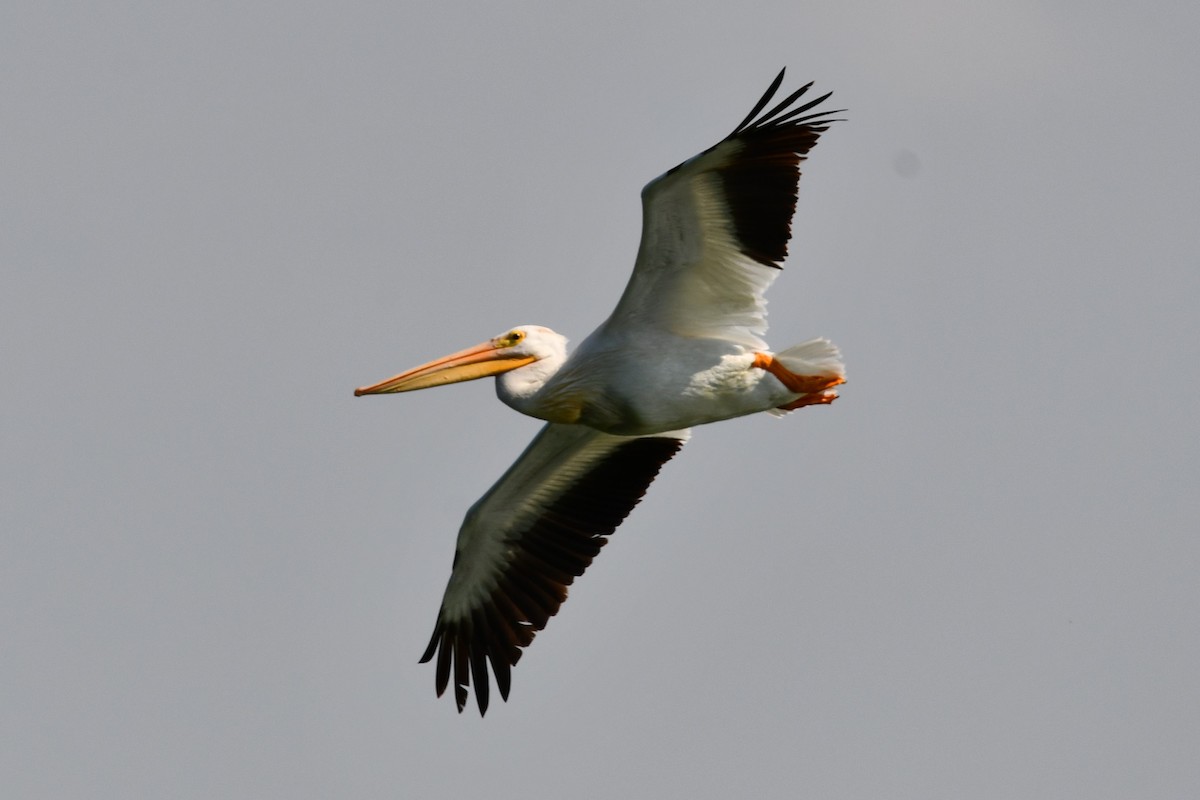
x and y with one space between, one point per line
974 576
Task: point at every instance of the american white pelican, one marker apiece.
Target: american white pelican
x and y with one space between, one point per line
682 348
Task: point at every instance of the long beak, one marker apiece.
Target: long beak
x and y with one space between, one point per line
475 362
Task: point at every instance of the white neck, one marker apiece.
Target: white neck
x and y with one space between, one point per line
522 388
526 388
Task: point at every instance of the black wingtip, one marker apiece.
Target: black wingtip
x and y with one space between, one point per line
762 101
776 117
479 676
762 178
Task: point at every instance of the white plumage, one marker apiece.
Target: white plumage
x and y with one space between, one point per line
683 347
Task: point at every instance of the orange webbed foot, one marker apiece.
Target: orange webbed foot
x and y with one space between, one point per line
819 399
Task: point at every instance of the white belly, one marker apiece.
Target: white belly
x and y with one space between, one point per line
654 394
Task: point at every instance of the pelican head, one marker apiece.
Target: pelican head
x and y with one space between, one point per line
516 348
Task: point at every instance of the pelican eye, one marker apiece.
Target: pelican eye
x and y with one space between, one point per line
511 338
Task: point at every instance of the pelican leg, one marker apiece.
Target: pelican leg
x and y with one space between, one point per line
814 390
800 384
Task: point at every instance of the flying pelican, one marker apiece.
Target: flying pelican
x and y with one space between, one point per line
682 348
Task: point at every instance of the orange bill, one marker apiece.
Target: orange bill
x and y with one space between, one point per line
480 361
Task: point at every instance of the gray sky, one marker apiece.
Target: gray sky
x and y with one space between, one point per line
973 576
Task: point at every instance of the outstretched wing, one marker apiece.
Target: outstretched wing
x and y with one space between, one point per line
716 227
525 541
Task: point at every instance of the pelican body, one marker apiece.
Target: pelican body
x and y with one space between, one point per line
682 348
